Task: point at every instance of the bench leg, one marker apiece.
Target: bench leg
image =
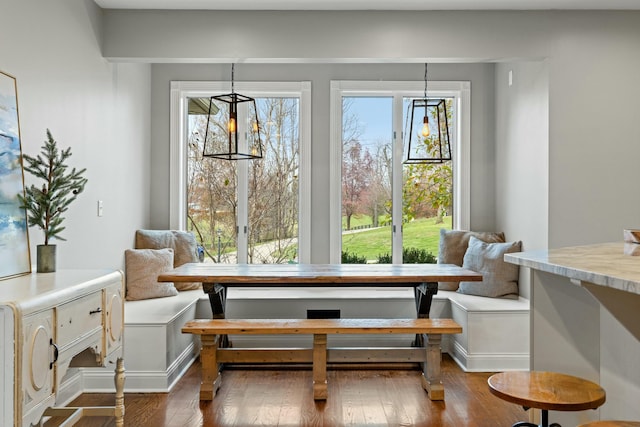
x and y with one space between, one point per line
211 377
431 375
320 366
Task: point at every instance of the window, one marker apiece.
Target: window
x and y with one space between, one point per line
379 205
246 211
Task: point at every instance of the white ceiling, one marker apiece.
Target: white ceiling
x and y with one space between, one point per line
373 4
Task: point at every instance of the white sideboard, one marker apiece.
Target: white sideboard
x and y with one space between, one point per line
50 322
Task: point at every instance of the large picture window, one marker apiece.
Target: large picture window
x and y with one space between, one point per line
244 211
383 210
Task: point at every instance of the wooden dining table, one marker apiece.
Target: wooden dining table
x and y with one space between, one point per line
216 278
423 278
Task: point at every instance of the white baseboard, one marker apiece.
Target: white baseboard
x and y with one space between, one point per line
100 380
70 388
494 362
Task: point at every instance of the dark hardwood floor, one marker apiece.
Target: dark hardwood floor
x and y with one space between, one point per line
266 397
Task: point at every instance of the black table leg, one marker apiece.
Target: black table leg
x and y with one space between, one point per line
218 300
424 293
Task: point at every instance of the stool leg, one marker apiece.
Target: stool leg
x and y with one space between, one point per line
544 421
544 415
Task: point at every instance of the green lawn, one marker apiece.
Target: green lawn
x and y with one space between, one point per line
358 220
420 233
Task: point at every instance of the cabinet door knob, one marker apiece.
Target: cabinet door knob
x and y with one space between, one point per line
97 310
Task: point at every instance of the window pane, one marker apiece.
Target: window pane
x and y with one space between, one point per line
427 189
211 188
367 130
273 184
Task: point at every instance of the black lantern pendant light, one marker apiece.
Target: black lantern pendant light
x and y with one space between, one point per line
224 143
427 130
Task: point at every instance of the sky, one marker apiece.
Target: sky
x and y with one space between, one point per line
374 116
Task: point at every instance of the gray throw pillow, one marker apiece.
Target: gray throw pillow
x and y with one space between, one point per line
499 278
453 246
142 269
184 246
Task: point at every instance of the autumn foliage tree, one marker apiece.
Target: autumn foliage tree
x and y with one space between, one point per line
357 173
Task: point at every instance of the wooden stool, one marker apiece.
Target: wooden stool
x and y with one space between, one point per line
546 391
611 424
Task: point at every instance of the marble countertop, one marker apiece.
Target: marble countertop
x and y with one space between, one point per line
604 264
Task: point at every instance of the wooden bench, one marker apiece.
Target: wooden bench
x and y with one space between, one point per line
213 332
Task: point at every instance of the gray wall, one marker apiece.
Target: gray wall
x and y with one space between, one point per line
98 108
592 60
522 155
320 75
107 110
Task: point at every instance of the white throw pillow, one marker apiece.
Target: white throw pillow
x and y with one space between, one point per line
142 269
453 246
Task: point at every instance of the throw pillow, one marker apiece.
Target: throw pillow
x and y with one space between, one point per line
453 245
499 278
142 269
183 244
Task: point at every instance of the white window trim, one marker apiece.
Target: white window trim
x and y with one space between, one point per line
459 90
182 90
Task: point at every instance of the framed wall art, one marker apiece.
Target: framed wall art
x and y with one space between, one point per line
15 258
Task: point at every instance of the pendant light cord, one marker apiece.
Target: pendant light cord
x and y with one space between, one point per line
233 68
425 81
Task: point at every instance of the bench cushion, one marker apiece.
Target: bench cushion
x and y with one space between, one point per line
153 312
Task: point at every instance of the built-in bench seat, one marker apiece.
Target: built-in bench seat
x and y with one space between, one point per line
156 352
495 333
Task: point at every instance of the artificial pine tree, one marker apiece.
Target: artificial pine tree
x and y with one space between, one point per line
46 205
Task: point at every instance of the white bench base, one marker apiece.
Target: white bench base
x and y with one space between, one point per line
495 331
156 352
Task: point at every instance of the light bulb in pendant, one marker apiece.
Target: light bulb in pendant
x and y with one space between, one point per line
231 126
425 127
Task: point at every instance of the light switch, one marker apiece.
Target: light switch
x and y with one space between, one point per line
100 207
510 77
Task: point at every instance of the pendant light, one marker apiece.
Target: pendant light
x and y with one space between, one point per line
224 142
427 130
